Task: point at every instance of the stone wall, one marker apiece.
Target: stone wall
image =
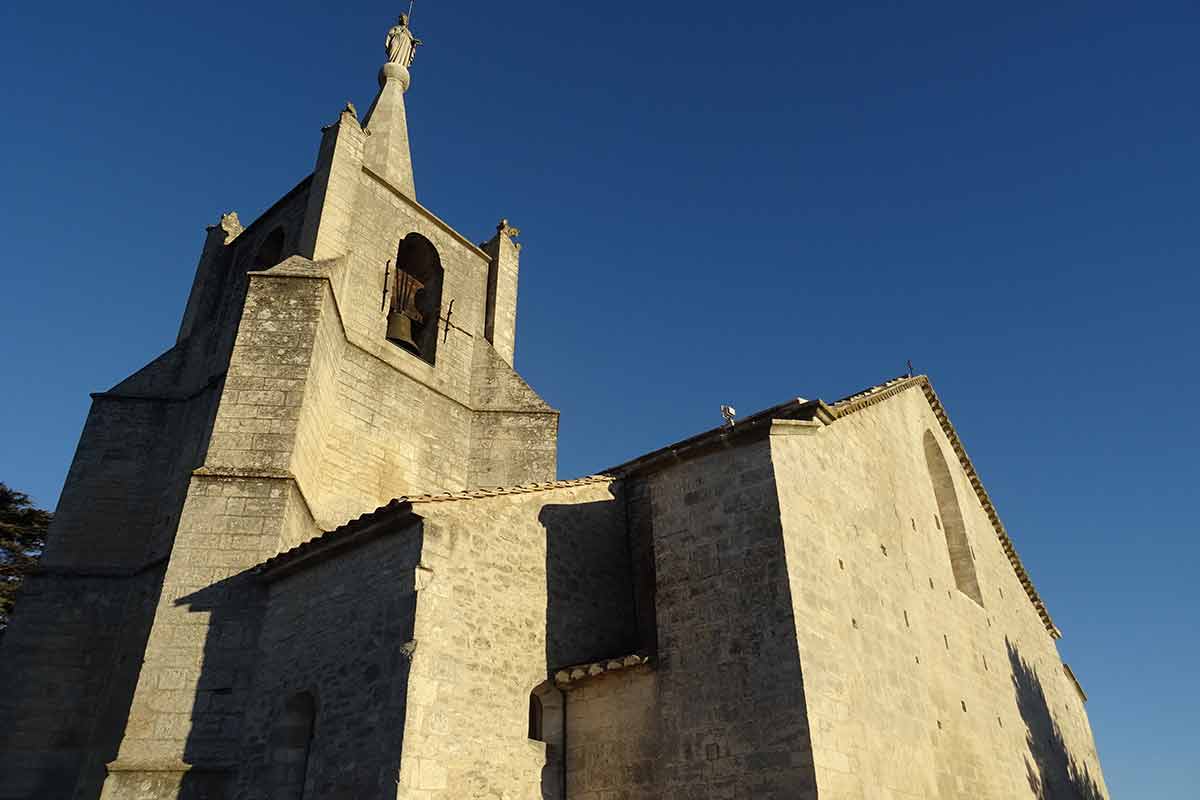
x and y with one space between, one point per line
185 719
612 733
339 632
517 585
914 689
729 690
70 659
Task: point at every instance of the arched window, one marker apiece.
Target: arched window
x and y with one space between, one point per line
291 745
270 252
961 559
547 723
416 297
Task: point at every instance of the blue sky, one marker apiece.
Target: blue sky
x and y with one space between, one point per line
720 204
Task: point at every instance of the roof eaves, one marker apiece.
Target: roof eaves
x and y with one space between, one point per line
749 429
352 533
383 520
526 488
567 676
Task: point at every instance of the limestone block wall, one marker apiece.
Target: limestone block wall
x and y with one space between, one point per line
612 732
338 632
382 218
65 669
185 720
514 434
730 692
391 424
68 660
516 585
386 436
913 688
500 309
241 508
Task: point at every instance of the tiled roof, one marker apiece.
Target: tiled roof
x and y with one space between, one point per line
526 488
569 675
793 409
335 539
356 528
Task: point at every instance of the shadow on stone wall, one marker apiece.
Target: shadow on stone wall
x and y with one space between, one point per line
339 638
589 611
589 586
234 607
1053 773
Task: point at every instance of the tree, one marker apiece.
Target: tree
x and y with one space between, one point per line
22 539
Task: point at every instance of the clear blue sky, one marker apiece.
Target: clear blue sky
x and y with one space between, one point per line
720 204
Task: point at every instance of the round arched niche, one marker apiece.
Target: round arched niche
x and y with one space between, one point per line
547 723
962 562
270 252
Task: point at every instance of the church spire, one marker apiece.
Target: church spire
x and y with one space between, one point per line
387 152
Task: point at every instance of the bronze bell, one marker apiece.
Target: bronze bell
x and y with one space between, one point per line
399 329
404 311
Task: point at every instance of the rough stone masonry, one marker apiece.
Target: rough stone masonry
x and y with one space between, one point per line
316 549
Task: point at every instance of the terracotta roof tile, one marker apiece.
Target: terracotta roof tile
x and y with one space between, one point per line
339 536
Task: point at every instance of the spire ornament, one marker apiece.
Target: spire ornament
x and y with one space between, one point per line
386 151
401 46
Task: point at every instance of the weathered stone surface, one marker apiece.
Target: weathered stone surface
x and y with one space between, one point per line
294 559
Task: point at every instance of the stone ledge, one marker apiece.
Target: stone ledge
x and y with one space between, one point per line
795 427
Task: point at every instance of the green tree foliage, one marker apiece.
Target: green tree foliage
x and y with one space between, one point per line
22 539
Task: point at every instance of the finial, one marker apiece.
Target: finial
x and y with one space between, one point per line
229 225
400 45
351 110
508 230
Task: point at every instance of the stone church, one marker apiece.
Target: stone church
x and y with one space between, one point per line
317 549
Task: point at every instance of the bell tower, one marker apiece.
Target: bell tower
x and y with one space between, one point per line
346 348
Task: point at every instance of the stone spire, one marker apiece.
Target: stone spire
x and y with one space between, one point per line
387 151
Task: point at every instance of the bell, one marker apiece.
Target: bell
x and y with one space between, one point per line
399 330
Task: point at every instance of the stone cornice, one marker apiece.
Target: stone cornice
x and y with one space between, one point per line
229 473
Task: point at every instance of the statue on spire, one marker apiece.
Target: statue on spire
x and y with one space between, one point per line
401 45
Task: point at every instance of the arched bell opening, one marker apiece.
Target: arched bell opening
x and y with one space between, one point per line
415 287
270 252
